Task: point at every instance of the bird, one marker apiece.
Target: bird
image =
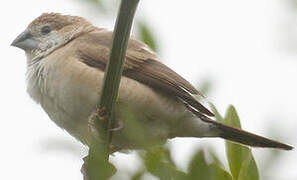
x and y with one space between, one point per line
66 59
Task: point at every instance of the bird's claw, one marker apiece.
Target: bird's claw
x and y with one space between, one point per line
119 126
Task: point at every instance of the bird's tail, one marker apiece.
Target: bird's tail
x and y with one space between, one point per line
247 138
243 137
240 136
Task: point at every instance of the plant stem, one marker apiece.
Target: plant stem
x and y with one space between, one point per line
99 151
115 64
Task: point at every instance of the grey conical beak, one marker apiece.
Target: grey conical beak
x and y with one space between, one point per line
25 41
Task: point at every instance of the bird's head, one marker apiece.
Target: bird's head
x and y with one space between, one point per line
49 32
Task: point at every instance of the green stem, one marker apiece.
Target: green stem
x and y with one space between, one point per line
115 64
96 164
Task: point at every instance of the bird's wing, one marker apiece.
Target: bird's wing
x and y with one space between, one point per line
141 64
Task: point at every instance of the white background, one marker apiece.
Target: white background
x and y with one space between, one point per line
246 48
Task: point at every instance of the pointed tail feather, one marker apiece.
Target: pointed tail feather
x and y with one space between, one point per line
243 137
240 136
247 138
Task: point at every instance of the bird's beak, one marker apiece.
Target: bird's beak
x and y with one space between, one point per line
25 41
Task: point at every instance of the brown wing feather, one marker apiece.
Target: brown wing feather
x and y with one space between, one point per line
140 64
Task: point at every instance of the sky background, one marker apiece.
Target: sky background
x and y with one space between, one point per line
246 49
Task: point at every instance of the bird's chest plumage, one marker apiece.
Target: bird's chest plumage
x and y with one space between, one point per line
66 102
69 91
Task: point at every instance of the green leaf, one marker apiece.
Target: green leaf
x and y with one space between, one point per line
96 166
231 117
249 169
158 163
146 36
200 170
218 173
237 154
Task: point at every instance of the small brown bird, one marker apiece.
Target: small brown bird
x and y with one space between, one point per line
66 57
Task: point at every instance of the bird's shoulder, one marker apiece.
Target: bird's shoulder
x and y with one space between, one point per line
95 46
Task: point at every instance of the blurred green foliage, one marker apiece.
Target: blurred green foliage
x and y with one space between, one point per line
157 159
146 35
199 169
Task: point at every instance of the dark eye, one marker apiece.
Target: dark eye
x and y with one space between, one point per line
46 30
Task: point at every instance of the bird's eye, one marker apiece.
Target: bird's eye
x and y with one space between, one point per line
46 30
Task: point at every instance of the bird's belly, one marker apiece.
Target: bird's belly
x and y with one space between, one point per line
144 113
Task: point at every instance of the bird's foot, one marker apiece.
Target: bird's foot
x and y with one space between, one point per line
118 126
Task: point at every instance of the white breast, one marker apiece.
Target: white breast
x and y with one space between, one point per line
58 86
